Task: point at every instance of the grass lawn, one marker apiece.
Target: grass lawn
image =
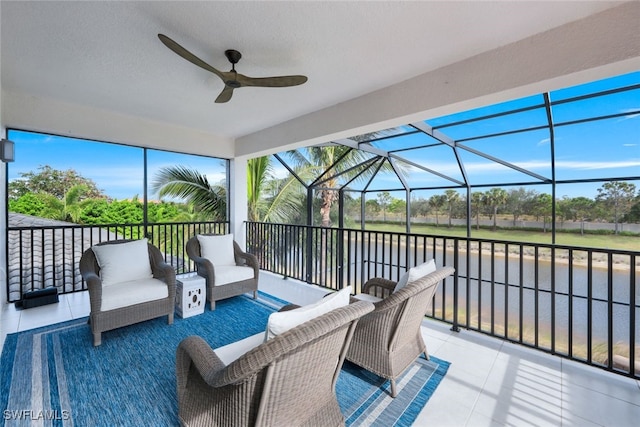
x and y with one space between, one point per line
604 241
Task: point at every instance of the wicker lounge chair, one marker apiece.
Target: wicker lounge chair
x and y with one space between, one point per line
220 279
388 340
125 303
288 380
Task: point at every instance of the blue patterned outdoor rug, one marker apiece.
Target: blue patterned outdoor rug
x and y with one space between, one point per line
55 375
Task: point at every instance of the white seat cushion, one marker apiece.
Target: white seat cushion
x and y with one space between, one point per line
416 273
232 273
367 297
125 294
233 351
283 321
217 249
123 262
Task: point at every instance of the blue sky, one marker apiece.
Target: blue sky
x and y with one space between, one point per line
116 169
592 150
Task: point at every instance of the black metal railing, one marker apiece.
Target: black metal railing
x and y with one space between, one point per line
579 303
40 257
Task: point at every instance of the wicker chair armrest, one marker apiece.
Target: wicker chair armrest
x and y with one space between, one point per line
164 272
204 267
167 274
378 283
94 285
250 260
194 350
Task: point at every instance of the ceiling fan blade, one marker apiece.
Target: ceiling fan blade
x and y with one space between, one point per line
280 81
225 95
188 55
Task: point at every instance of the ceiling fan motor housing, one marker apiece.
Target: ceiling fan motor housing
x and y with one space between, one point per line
233 55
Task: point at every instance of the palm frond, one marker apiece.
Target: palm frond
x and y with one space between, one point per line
188 184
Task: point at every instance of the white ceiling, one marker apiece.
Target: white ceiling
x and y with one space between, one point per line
106 55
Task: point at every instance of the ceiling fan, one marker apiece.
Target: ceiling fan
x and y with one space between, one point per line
232 79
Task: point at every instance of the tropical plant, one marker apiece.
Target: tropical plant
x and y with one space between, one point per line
42 205
270 199
190 185
72 207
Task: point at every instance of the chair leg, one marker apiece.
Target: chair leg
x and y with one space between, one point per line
255 294
97 339
170 319
213 305
394 392
426 354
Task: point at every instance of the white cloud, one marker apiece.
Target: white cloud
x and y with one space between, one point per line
598 165
633 114
544 141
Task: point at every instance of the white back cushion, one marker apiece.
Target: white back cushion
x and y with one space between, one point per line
217 249
416 273
123 262
404 279
283 321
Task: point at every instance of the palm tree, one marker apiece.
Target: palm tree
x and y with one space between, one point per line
436 202
495 198
189 184
312 162
451 196
477 200
72 206
270 199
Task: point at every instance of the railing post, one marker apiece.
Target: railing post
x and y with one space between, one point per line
456 265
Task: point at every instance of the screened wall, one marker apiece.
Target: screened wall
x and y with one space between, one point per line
560 161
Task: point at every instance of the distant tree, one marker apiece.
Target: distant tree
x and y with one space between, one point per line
419 207
543 206
477 203
495 199
617 196
436 202
384 198
372 207
579 209
52 181
451 197
517 200
398 206
634 212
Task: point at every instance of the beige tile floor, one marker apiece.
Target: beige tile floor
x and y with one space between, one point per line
490 382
